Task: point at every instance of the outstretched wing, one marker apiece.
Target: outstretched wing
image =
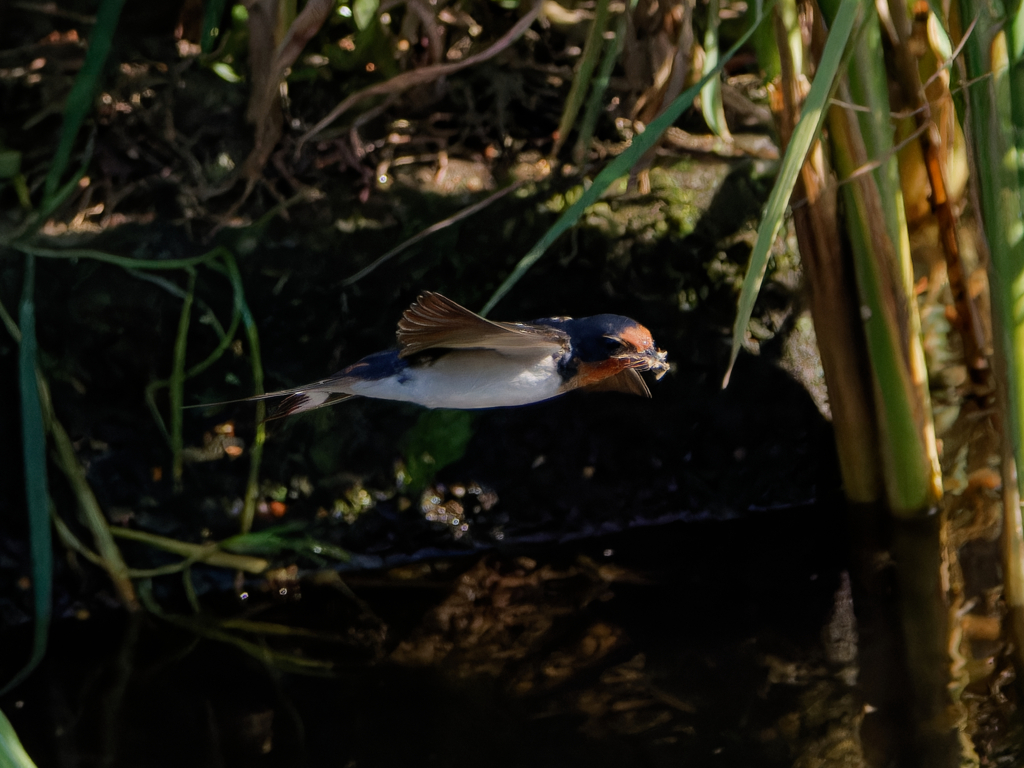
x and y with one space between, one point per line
436 322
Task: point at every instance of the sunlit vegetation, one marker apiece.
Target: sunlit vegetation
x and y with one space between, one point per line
898 174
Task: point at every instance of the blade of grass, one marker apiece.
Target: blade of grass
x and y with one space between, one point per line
72 542
199 625
33 445
224 339
612 50
212 14
990 118
711 95
805 134
12 753
39 217
617 168
211 553
80 99
274 542
994 123
281 630
65 457
135 266
256 454
177 380
178 292
120 261
63 453
581 81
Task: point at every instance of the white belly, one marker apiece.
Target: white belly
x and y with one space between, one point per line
468 380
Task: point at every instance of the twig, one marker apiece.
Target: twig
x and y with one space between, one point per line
407 80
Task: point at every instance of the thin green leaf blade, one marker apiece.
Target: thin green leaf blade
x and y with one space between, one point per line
804 135
711 95
212 13
177 379
252 333
596 100
80 99
12 753
33 444
581 82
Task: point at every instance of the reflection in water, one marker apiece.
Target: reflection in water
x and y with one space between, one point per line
692 644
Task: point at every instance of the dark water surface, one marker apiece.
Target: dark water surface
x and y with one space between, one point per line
698 644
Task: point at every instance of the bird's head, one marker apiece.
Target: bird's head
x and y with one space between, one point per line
604 338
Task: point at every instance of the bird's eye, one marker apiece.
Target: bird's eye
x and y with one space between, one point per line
612 344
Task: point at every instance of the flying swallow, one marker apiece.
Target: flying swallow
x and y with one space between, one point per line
449 357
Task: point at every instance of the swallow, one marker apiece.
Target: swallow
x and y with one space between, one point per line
450 357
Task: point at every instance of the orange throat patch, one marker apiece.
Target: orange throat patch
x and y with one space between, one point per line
592 373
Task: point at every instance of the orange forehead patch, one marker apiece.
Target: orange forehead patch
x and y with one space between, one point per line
638 336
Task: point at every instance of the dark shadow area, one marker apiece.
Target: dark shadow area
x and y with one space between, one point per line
702 670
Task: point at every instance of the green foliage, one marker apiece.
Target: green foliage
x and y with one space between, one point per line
213 10
996 115
79 102
12 754
804 135
582 79
233 42
439 438
595 103
33 445
618 168
281 539
711 96
365 45
880 246
252 333
10 163
364 12
225 72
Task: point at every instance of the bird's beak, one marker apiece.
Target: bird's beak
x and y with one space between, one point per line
652 360
657 362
